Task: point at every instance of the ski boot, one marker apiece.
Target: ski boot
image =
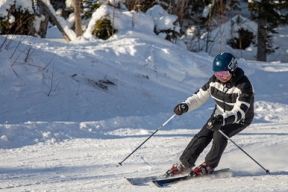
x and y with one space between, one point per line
200 170
177 168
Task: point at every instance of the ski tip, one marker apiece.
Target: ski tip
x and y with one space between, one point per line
157 184
129 180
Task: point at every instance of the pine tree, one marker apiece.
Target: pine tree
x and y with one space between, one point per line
205 15
269 15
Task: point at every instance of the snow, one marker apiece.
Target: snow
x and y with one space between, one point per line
73 111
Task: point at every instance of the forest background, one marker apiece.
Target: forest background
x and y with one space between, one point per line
210 26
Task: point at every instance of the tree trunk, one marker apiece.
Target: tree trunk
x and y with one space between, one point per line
44 24
262 36
31 29
41 4
78 26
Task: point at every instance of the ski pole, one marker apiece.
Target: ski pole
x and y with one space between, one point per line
267 171
120 163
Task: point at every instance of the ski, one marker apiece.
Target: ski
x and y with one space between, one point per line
143 180
167 181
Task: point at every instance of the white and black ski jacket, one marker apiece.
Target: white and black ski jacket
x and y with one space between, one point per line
234 99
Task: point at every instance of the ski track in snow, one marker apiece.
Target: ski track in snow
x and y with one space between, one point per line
91 164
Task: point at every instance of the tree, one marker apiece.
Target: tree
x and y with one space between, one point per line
204 16
22 24
53 18
78 26
269 15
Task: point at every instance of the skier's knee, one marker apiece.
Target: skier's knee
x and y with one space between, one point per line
219 137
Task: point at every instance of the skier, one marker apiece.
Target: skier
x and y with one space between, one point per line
234 111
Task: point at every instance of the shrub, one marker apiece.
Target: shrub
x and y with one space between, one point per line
245 39
22 25
103 28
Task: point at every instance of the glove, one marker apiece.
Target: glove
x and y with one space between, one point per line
215 123
181 108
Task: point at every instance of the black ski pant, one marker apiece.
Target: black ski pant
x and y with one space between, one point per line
203 138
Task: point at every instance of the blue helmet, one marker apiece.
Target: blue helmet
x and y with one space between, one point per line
224 62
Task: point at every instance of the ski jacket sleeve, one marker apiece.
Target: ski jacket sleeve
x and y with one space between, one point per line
199 97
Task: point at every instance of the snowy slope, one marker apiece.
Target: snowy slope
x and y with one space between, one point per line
72 111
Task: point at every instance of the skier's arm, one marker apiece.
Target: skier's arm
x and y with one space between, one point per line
199 97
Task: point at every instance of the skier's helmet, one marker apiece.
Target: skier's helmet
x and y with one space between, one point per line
224 62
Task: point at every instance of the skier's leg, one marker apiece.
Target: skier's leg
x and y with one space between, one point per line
196 146
192 151
220 142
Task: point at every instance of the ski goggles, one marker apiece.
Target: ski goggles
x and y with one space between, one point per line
222 74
